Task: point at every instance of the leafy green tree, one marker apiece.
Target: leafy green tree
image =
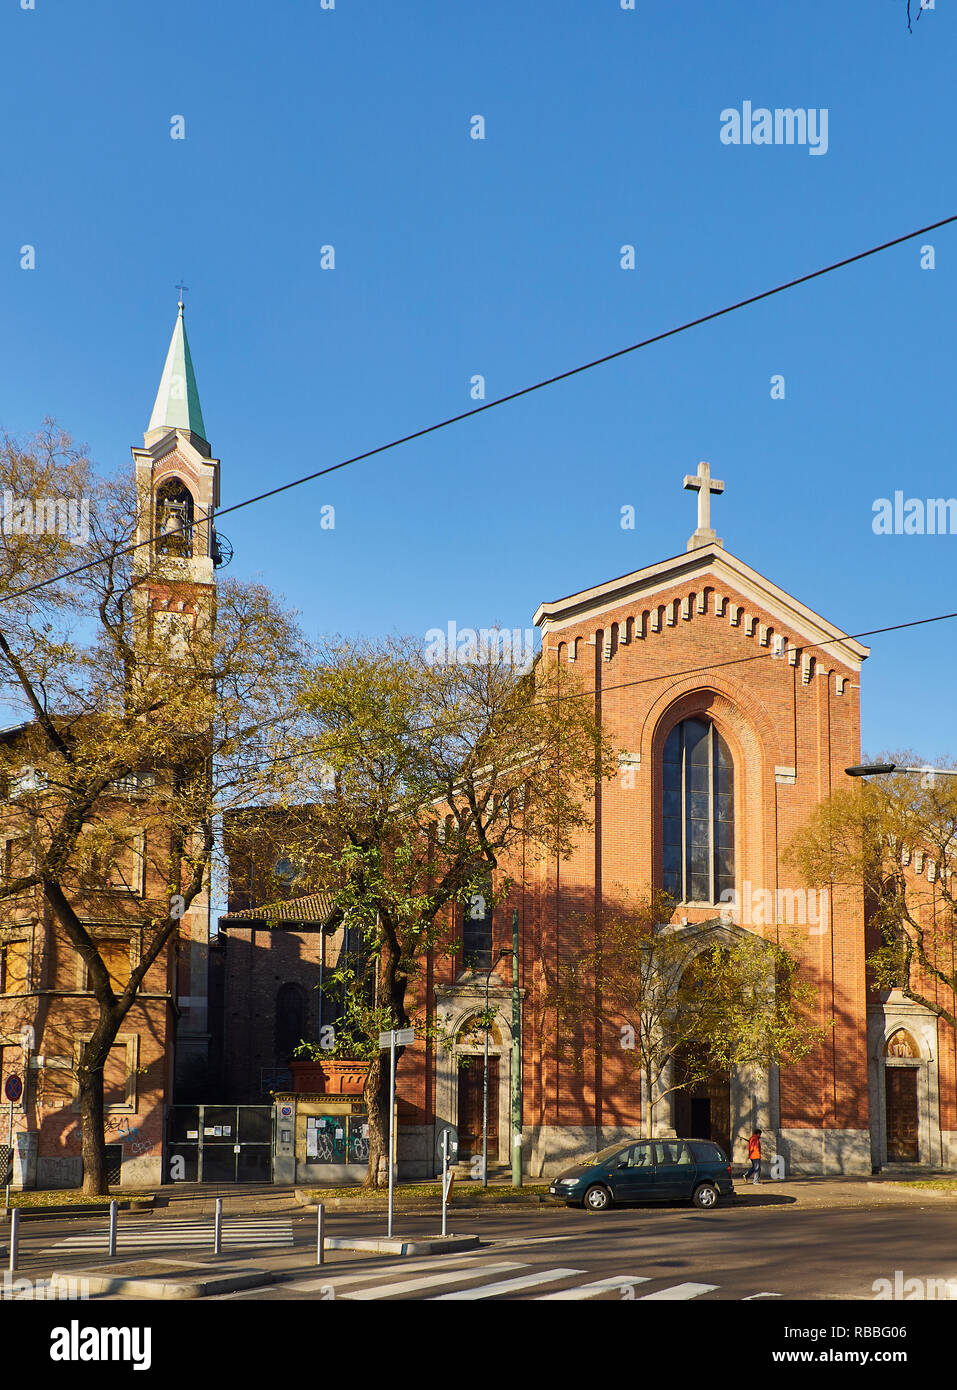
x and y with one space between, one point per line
677 1003
424 781
894 836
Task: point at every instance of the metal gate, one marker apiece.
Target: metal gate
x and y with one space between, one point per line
219 1143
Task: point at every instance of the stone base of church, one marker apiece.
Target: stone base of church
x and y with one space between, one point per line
948 1147
548 1150
416 1145
825 1152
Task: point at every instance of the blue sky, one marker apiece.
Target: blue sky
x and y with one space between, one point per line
456 257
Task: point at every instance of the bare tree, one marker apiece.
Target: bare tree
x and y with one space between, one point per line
132 743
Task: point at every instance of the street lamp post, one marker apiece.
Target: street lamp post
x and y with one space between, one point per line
488 976
875 770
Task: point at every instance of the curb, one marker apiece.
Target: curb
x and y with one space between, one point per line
424 1205
140 1204
432 1245
165 1288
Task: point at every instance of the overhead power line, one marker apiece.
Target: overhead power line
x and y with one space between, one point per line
503 400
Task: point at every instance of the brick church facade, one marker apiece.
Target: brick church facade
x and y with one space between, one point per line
737 709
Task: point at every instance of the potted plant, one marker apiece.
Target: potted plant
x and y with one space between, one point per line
337 1069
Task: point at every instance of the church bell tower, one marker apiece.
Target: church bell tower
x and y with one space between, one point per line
174 564
177 482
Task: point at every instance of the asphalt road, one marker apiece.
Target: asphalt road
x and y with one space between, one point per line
742 1252
771 1248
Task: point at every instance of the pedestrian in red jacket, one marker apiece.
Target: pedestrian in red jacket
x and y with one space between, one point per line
754 1154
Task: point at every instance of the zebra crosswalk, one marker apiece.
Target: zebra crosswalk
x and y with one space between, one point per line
142 1237
468 1279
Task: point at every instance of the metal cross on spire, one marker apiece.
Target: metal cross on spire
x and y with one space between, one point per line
704 485
180 288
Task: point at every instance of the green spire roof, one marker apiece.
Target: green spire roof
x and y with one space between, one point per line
177 400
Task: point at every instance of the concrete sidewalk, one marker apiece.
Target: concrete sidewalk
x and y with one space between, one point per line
197 1201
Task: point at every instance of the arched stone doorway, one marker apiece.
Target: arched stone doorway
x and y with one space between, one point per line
904 1086
460 1070
722 1104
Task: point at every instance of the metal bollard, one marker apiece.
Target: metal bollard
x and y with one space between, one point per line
14 1237
320 1235
113 1211
218 1237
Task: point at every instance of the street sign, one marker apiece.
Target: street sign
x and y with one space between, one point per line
403 1037
453 1142
13 1088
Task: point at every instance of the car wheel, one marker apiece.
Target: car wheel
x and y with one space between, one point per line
705 1196
597 1198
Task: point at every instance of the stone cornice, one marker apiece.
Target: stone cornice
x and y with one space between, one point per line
651 584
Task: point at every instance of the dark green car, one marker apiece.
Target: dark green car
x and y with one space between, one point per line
649 1170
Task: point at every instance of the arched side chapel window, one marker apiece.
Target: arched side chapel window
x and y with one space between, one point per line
698 820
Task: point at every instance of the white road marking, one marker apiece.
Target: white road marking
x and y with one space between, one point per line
337 1280
679 1291
759 1295
186 1233
599 1286
429 1281
527 1281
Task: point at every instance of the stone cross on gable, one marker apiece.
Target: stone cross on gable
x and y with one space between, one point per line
704 485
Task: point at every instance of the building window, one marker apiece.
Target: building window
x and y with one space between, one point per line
698 822
18 861
119 1074
119 954
290 1020
14 967
477 927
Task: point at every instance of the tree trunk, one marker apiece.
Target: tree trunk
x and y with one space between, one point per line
93 1143
392 987
376 1095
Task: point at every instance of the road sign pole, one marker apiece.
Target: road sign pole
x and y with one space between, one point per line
320 1235
218 1228
113 1211
391 1120
14 1239
10 1148
404 1037
445 1175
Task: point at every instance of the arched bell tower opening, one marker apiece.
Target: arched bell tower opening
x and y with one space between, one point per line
173 519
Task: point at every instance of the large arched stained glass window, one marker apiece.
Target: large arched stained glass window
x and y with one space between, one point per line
698 829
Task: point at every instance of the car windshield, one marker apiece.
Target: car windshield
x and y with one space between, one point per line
606 1153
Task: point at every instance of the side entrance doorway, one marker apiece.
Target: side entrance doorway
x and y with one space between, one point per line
219 1143
471 1105
901 1114
703 1111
